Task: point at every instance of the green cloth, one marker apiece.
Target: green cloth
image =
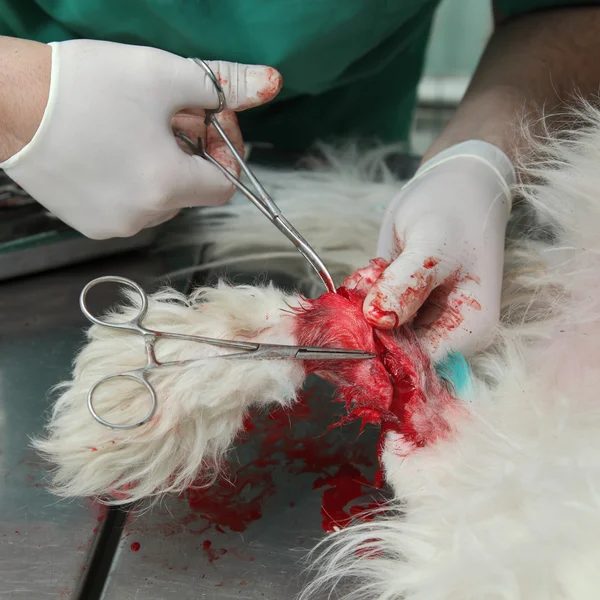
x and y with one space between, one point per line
504 9
350 67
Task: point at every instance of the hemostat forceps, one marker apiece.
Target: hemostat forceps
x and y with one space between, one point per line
246 350
261 198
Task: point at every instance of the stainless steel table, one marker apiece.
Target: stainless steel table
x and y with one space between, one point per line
246 537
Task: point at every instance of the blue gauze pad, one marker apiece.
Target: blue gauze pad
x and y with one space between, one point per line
456 370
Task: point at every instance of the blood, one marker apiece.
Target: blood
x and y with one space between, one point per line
431 262
135 547
221 507
446 310
122 492
383 318
278 440
211 552
399 389
363 279
398 247
235 552
472 278
471 302
248 425
272 87
219 149
406 297
416 294
345 486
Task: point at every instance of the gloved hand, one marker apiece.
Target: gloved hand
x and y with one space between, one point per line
445 234
104 158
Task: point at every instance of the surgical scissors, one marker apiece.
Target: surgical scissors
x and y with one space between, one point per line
261 199
247 350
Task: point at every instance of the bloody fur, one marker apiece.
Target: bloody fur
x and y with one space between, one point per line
397 390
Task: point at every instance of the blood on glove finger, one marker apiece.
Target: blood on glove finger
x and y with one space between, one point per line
244 86
191 123
216 146
255 85
363 279
403 288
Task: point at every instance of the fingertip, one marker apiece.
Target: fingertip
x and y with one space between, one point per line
383 308
261 85
273 85
379 318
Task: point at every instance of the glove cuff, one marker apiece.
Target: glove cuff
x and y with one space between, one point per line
52 95
487 153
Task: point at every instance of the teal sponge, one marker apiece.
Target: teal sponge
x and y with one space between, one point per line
456 371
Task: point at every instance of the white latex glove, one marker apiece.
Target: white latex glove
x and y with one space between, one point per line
445 234
104 158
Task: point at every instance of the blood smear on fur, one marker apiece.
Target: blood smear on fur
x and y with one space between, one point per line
385 391
388 389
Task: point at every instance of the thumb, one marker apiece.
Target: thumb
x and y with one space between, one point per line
464 320
404 286
244 86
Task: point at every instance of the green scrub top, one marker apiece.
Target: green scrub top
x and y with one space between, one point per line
350 67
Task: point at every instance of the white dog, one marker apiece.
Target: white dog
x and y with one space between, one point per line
497 485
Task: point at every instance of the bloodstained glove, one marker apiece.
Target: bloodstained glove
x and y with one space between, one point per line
104 158
444 234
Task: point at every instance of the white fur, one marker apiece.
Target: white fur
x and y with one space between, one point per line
508 509
200 406
338 207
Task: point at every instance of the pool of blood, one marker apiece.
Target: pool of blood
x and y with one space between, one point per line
398 390
273 447
342 488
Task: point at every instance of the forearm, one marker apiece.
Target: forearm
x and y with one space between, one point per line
532 65
24 85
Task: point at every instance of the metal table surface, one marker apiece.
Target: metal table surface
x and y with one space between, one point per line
45 544
246 537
